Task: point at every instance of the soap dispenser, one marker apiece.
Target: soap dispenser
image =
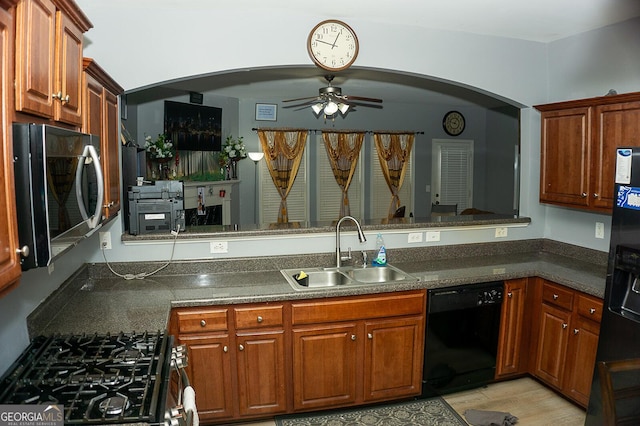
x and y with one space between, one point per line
380 258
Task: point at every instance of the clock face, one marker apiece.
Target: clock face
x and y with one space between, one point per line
453 123
332 45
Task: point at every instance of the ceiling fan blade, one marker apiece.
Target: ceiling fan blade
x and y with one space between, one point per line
360 98
302 105
365 105
300 99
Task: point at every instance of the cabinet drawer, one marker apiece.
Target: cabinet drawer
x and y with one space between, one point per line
202 321
590 307
259 316
557 296
366 307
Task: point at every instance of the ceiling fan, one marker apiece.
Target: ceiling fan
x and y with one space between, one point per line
330 101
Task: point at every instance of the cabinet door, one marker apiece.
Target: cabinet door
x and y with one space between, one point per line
552 345
9 261
68 78
615 125
581 359
209 368
35 62
110 149
393 358
324 366
261 373
512 349
565 156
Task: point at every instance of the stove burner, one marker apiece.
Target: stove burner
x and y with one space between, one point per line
114 406
99 379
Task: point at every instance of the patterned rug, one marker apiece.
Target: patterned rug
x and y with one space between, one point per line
431 412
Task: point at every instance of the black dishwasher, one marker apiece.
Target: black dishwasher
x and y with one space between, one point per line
461 342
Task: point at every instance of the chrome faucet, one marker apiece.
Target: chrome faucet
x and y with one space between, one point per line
361 237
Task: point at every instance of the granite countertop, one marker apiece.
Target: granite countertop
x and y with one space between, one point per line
96 301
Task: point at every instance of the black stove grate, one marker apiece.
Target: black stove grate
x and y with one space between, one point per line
119 378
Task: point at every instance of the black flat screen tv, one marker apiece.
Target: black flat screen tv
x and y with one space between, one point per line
193 127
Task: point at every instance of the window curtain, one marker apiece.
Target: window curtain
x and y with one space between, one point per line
343 150
283 151
394 150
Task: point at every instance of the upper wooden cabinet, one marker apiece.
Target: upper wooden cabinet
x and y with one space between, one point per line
49 59
578 142
9 260
100 117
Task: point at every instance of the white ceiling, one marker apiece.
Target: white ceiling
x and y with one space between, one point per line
539 20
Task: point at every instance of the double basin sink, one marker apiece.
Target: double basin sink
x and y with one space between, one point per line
346 276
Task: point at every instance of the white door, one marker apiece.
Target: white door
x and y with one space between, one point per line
452 172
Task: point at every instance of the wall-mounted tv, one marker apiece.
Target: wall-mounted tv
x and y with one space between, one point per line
193 127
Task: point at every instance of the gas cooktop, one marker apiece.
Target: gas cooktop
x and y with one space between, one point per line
98 379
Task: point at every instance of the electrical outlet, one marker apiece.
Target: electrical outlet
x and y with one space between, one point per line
219 247
433 236
501 232
414 237
599 230
105 240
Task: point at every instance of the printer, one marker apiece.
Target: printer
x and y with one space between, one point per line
156 207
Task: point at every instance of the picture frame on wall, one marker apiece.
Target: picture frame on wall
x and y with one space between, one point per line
266 112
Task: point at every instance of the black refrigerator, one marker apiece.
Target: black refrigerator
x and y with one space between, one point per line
620 327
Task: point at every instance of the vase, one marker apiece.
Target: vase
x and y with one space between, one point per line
234 169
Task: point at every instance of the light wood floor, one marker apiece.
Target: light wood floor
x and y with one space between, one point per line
524 398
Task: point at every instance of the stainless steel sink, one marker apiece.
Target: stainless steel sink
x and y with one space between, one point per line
345 276
377 274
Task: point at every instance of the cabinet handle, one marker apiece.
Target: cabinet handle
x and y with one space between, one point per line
555 297
509 295
592 311
65 99
241 347
565 326
595 195
203 323
56 95
370 336
353 337
260 319
225 349
584 195
24 251
576 331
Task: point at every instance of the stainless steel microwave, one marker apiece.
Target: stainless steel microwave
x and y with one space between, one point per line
59 190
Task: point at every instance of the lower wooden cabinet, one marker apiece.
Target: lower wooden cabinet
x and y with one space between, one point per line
567 340
325 367
236 359
357 350
209 372
393 358
261 373
513 344
263 359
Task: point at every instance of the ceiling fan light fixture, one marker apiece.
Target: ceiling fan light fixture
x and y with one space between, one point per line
330 108
317 108
343 108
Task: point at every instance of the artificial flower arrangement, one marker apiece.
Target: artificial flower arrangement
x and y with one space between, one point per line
232 150
161 148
